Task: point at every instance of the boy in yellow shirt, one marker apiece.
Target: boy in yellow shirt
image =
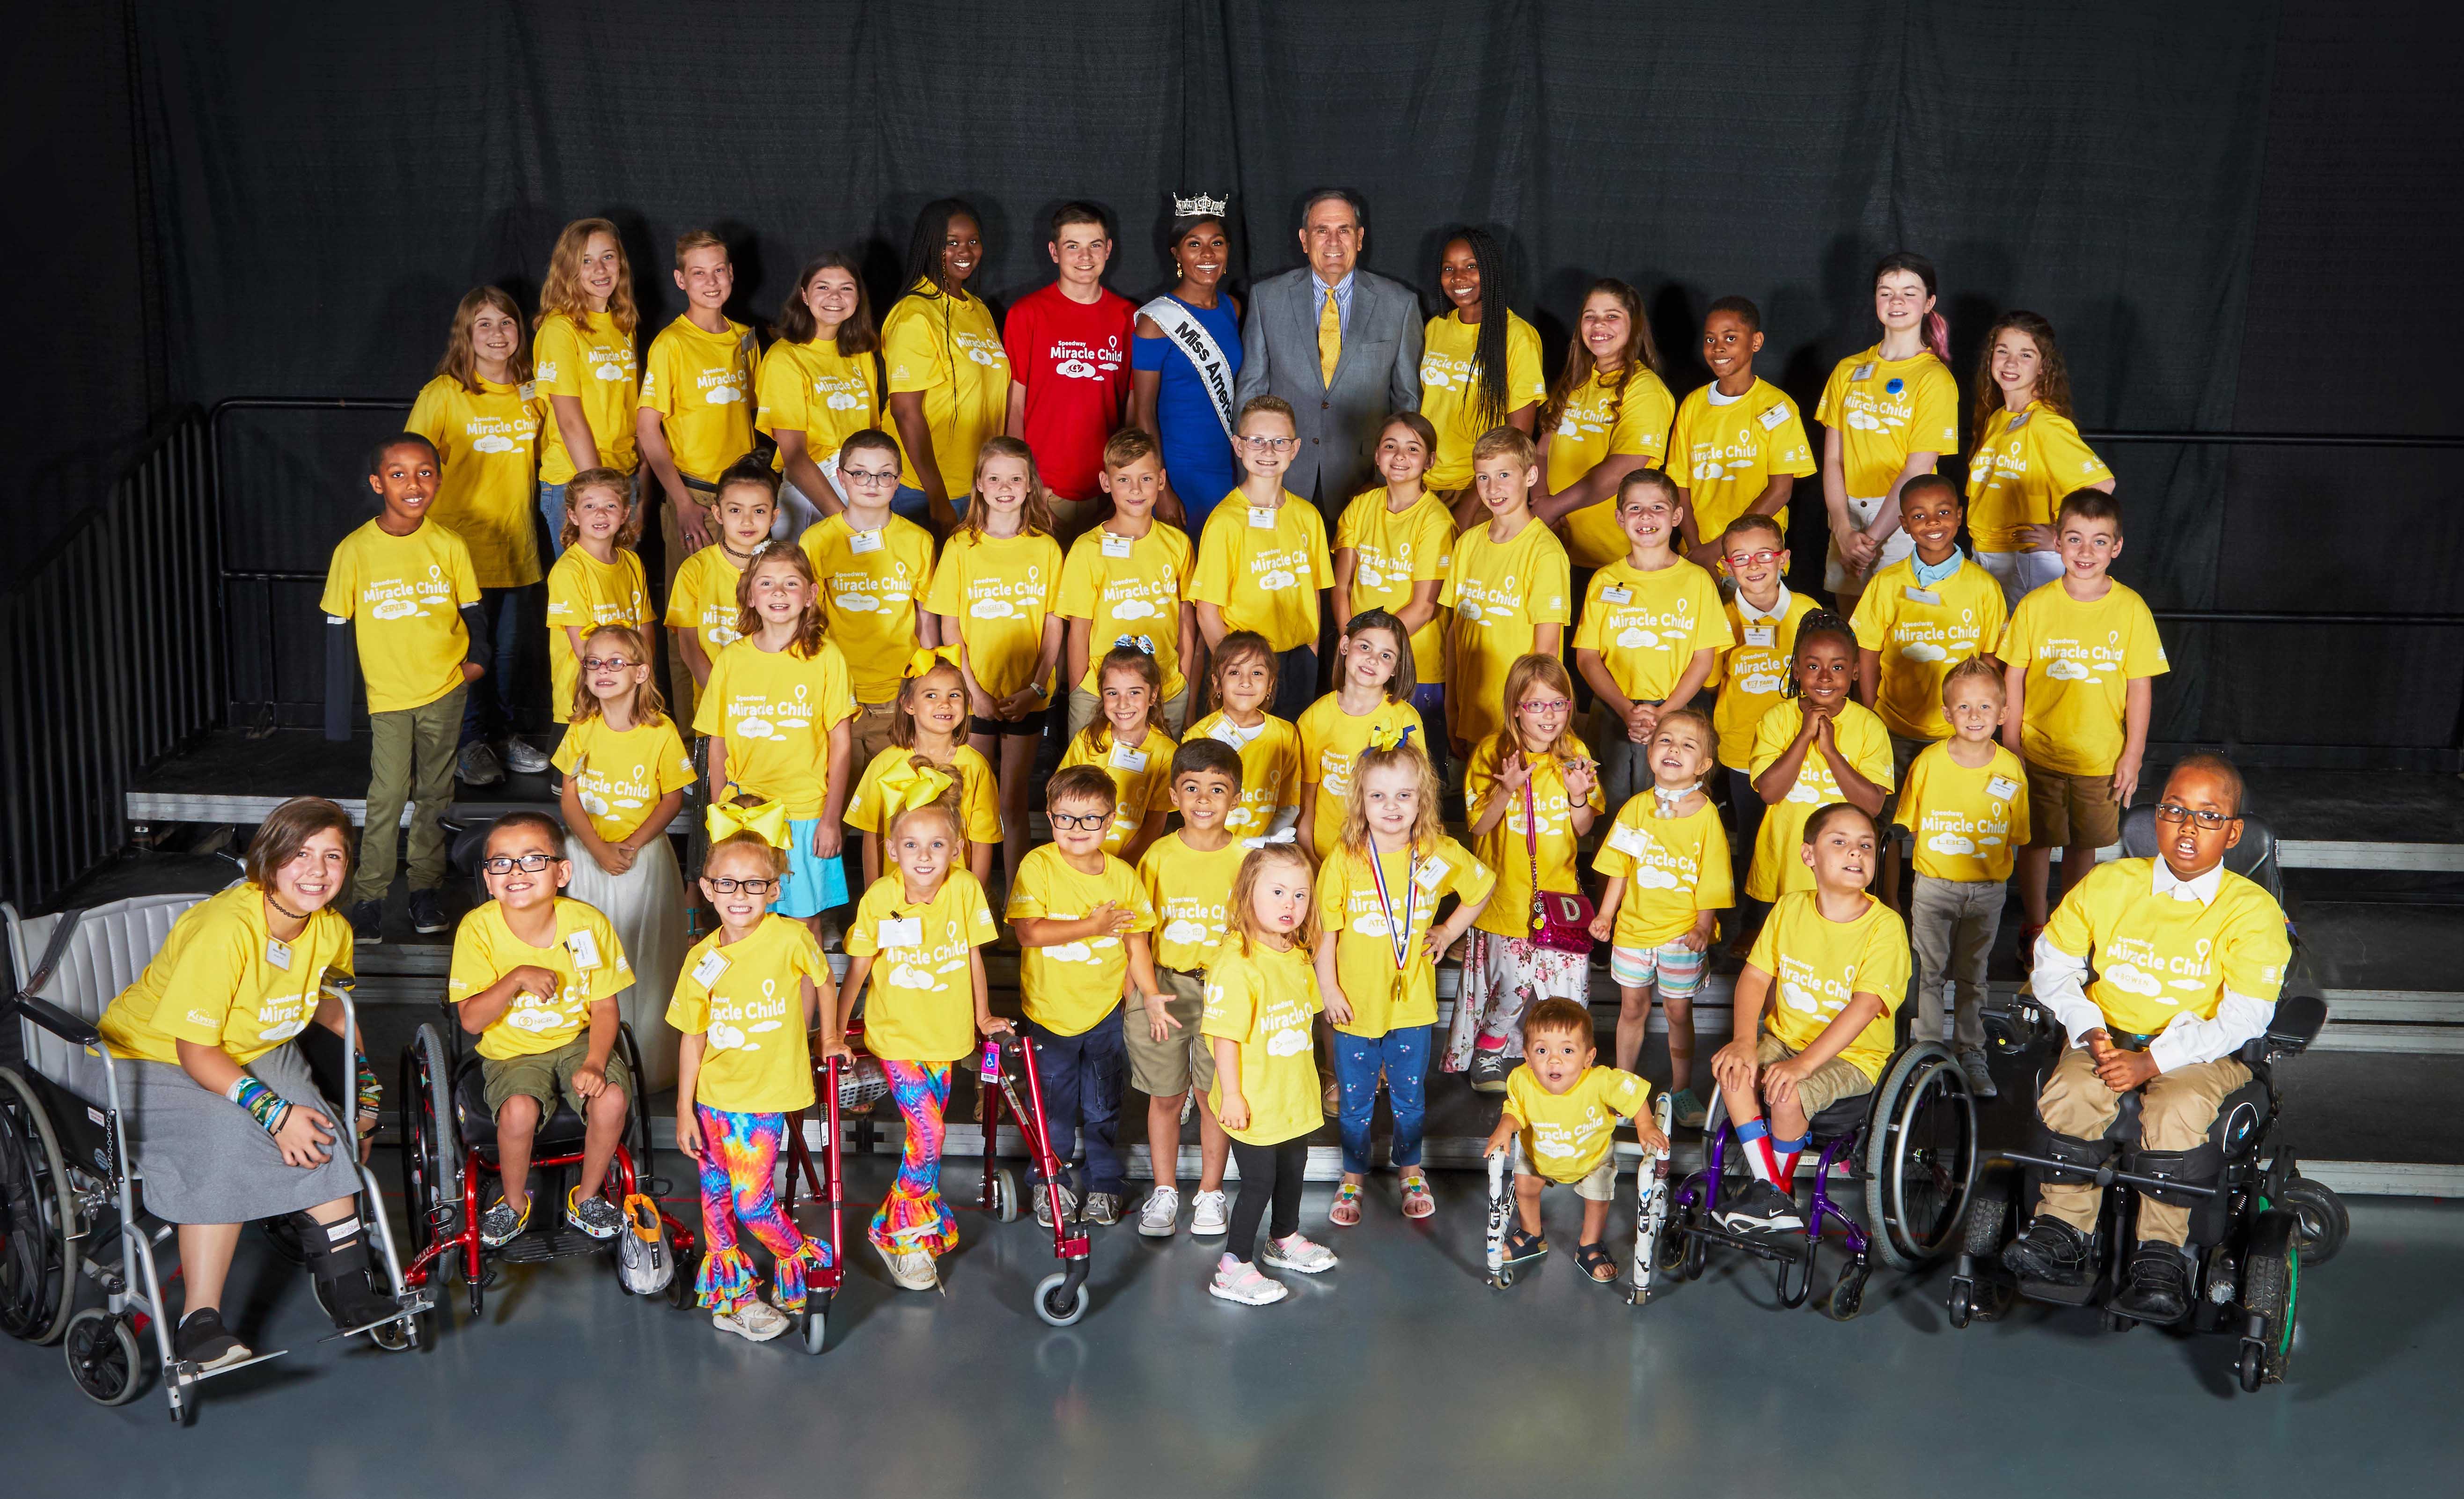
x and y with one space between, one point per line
1508 583
702 611
1964 803
422 641
2080 659
1263 564
1650 636
1082 920
695 415
875 569
1560 1114
535 976
1187 875
1126 581
1763 618
1738 446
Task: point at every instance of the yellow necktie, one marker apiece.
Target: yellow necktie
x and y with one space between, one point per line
1330 338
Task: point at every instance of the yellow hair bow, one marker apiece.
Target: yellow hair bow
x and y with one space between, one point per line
767 822
1389 735
906 787
925 658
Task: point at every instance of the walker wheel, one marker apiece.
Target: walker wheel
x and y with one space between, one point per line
102 1357
1504 1278
1004 1186
817 1322
1058 1302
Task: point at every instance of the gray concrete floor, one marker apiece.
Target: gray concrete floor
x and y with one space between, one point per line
1398 1373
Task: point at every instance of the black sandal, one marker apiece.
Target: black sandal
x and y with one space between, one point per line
1522 1246
1591 1259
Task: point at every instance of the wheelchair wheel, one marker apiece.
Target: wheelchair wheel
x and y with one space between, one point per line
1847 1296
102 1357
1919 1157
431 1155
2270 1287
1990 1205
1058 1302
38 1218
2321 1223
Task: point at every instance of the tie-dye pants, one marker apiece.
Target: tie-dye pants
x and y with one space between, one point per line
739 1162
913 1216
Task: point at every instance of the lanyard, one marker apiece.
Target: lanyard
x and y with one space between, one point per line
1398 935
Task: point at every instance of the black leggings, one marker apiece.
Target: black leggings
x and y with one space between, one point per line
1267 1173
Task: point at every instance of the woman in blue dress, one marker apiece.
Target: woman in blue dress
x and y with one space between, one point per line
1185 358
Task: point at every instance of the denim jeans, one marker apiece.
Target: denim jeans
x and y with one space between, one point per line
911 503
1403 1053
1081 1076
487 708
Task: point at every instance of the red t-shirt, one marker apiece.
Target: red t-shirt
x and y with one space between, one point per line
1074 361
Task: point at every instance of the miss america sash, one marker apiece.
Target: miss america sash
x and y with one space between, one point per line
1190 336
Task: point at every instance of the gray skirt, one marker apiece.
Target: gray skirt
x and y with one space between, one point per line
205 1160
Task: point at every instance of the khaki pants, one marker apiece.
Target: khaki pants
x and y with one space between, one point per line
1173 712
869 732
1951 924
2176 1110
410 759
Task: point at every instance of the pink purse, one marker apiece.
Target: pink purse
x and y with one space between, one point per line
1561 922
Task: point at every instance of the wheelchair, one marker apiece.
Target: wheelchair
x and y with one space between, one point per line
73 1199
1909 1144
2255 1220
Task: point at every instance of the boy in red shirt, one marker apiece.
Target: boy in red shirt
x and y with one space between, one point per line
1068 351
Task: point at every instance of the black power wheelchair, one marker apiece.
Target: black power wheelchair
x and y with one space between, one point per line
2255 1220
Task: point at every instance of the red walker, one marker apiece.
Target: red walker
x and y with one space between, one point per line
826 1186
1009 1061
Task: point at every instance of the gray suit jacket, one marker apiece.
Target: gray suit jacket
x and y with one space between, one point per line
1377 375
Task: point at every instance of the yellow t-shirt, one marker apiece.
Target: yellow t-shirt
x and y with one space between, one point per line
1263 569
1753 671
1264 999
594 365
1450 389
2080 659
1724 453
1392 556
2025 462
1863 742
998 589
1384 997
1141 777
489 491
1508 848
1965 823
701 384
979 806
1818 965
1885 409
586 957
406 594
702 600
1595 425
920 993
1271 769
774 711
1646 626
236 987
746 1000
583 593
1069 988
619 778
1190 891
1331 741
1500 593
815 389
1920 635
1568 1134
1128 587
2157 958
1674 868
950 352
872 582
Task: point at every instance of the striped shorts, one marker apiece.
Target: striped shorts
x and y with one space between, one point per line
1678 972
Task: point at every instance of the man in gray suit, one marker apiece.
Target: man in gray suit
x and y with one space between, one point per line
1371 344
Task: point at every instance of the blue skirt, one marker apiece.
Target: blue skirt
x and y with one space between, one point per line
814 884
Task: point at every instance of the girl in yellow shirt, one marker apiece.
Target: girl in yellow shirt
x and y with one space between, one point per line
1889 414
2028 454
582 356
1532 791
750 992
949 373
1607 415
993 594
1260 998
1392 546
819 385
1480 366
598 580
1372 703
931 726
1127 741
1508 585
1243 682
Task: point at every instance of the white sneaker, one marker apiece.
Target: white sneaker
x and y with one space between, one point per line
1240 1283
758 1322
1296 1253
523 758
833 936
912 1268
1210 1214
1161 1214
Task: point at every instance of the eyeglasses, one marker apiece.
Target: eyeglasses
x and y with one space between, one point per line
2208 821
1752 559
1079 821
1544 705
871 476
1268 444
528 863
728 886
605 663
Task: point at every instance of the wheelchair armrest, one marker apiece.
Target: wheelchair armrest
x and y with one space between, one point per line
59 1022
2296 1023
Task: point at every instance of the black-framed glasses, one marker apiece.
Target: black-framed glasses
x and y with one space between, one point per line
729 887
2208 821
1079 821
528 863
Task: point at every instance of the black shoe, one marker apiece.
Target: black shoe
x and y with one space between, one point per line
367 922
2158 1290
202 1339
1761 1209
428 911
2051 1250
1488 1070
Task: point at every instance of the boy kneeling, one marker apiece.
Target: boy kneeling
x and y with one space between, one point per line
1561 1112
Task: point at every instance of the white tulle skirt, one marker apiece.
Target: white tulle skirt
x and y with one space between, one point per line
646 905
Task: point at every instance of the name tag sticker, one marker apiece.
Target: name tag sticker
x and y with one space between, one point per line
712 963
1432 870
901 932
278 952
1261 518
1125 757
1773 417
1115 545
2001 788
1759 635
1627 839
585 949
1923 596
1617 595
862 541
1864 371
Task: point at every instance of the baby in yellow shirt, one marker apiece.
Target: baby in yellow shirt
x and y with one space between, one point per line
1561 1114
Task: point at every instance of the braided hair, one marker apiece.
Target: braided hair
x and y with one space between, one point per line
1820 622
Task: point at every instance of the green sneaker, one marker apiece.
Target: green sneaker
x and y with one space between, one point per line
1687 1109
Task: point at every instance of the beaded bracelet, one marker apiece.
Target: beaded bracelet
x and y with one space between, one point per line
371 1091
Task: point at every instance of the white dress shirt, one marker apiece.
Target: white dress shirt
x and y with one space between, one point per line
2058 979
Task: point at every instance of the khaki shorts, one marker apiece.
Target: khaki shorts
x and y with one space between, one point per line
2071 811
1600 1186
1084 705
544 1075
1826 1085
869 728
1169 1067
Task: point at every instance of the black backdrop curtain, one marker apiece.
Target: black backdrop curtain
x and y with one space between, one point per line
326 182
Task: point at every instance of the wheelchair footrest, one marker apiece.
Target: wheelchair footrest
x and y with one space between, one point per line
2081 1296
1787 1246
542 1245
